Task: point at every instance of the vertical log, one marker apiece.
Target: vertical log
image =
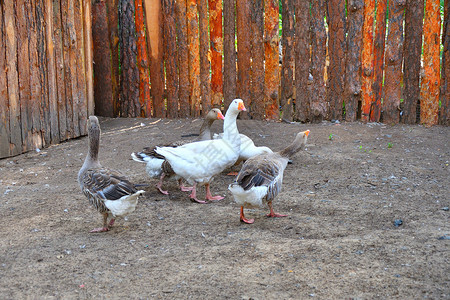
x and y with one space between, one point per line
142 62
336 52
205 56
229 52
194 59
445 76
183 59
413 52
302 60
15 144
243 53
287 68
393 63
88 56
103 80
352 90
429 89
367 59
112 19
4 101
170 58
318 42
378 61
153 16
272 58
215 32
256 106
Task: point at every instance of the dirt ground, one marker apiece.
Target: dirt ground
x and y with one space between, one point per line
342 194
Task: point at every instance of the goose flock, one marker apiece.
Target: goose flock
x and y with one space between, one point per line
196 162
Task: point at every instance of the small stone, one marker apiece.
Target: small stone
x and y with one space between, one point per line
398 222
445 208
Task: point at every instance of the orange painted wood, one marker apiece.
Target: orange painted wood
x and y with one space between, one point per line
216 48
88 55
352 89
287 68
256 106
205 56
153 16
271 46
112 12
142 61
378 61
336 52
194 57
183 59
429 89
229 52
4 101
243 33
367 59
445 76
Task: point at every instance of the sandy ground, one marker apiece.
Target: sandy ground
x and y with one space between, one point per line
342 194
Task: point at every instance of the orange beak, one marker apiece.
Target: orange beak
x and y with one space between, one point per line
220 116
241 106
307 132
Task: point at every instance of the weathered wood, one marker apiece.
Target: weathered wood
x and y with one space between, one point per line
4 103
352 90
256 106
445 75
378 61
205 56
103 83
183 59
367 60
393 63
229 52
429 88
413 44
336 52
215 32
170 58
194 59
153 16
243 32
302 60
112 19
287 67
272 58
142 62
88 56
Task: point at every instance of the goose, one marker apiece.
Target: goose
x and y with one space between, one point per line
157 166
199 162
260 178
108 191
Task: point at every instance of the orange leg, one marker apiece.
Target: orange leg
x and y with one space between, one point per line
272 213
243 219
211 197
184 188
105 226
159 184
193 195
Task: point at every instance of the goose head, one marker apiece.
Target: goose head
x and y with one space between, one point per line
215 114
236 106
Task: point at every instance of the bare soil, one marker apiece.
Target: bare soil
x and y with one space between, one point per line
342 194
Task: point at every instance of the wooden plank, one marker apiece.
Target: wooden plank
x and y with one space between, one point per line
429 89
170 58
272 58
194 59
4 101
215 31
12 76
88 55
336 52
352 90
367 59
142 62
287 68
60 79
445 76
256 106
229 52
153 16
378 61
205 56
413 42
243 31
302 60
183 59
112 8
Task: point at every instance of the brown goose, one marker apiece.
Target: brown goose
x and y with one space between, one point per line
260 179
157 166
108 191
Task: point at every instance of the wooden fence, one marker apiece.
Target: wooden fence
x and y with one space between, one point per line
46 87
364 63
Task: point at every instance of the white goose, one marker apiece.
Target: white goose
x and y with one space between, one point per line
199 162
260 179
109 192
157 166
